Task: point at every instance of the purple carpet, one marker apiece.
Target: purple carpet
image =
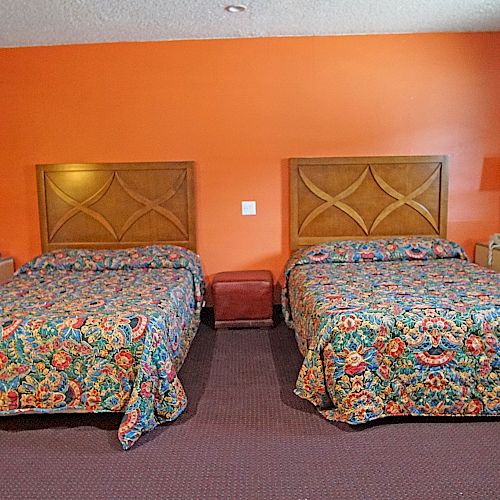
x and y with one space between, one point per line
245 435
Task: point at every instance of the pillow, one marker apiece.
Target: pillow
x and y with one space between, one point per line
148 257
408 248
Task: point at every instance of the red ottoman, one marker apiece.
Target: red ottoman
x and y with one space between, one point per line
243 299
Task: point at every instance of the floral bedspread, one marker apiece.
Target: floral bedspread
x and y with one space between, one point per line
102 330
394 327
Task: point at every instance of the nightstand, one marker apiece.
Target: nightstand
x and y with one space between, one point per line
481 256
6 269
243 299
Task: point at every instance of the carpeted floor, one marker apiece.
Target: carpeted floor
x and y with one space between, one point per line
245 435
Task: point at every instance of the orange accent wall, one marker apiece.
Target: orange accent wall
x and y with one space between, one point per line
240 108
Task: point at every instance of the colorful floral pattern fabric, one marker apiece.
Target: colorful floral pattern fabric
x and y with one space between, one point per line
394 327
102 330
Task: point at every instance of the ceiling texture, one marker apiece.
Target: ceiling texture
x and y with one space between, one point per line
60 22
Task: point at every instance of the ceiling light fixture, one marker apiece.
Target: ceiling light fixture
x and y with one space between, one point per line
235 8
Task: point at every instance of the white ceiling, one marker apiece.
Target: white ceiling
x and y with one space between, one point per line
55 22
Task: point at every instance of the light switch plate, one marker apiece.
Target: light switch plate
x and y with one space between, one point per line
248 208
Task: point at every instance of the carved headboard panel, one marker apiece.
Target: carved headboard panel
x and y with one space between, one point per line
367 197
116 205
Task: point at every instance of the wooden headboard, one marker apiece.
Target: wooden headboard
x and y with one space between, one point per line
116 205
367 198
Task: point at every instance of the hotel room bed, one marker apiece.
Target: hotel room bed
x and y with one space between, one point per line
388 323
104 319
394 327
100 330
